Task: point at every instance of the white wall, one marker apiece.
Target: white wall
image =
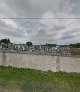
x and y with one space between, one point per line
70 64
40 62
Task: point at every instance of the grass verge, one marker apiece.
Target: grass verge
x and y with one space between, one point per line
30 80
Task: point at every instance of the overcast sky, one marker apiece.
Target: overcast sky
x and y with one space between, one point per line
44 30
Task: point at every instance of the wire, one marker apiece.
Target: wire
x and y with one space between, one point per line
36 18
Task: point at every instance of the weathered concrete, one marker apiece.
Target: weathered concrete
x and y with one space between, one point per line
41 62
70 64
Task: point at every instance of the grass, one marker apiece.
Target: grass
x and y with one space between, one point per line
30 80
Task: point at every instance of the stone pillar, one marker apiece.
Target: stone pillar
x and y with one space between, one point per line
4 58
58 64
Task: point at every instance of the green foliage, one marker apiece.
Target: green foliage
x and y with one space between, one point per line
5 41
51 45
29 43
75 45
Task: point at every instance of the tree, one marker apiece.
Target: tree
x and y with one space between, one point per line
51 45
5 42
75 45
29 43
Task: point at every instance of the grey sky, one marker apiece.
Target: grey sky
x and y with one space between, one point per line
60 31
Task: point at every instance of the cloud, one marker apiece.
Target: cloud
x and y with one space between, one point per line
45 30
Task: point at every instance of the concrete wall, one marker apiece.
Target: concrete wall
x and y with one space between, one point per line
70 64
40 62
